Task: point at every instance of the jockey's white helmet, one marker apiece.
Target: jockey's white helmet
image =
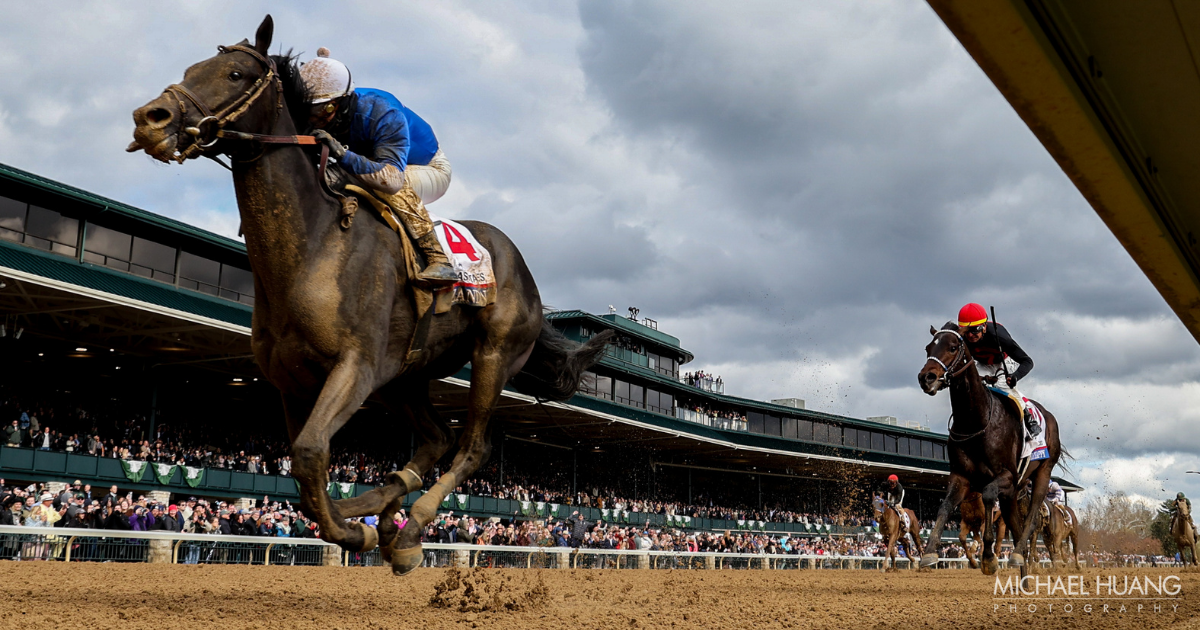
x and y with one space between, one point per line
326 78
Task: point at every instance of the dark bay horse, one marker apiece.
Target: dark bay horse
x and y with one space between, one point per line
972 521
334 317
985 447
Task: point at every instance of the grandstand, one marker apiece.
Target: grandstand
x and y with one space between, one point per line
119 318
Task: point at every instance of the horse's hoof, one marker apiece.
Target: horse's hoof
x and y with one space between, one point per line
404 561
990 566
1016 560
370 538
929 560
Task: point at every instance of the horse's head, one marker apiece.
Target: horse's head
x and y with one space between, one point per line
238 89
879 505
1181 507
946 357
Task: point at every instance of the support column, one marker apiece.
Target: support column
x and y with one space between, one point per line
462 558
331 556
759 491
563 559
710 562
689 486
574 469
153 406
502 440
160 551
643 561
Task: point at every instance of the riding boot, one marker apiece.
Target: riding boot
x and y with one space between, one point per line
437 268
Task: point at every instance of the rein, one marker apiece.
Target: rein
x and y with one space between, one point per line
202 139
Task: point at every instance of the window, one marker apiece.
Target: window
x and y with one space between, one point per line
939 451
889 442
756 423
820 432
804 429
108 247
876 441
12 219
51 231
237 284
926 448
667 402
153 260
774 426
902 447
604 387
199 274
621 392
637 396
789 428
652 360
835 434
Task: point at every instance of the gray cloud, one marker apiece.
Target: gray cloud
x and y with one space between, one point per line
797 191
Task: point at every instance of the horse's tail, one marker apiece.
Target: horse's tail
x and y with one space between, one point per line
556 365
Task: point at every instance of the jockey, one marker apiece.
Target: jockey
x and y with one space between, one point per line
381 145
1180 497
1054 493
990 344
892 492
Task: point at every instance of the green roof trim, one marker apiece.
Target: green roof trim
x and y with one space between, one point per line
105 204
126 285
625 325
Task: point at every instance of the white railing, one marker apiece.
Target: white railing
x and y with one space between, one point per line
710 421
101 545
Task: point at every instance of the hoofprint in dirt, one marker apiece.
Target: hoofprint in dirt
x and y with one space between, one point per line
130 597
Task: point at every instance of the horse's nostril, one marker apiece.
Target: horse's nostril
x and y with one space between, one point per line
929 377
158 115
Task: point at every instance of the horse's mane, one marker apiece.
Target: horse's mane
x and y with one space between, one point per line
295 92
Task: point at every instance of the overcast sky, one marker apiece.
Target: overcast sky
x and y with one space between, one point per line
795 190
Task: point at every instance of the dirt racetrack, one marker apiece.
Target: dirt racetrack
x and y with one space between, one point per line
127 596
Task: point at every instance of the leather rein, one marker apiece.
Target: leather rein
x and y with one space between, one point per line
950 372
211 127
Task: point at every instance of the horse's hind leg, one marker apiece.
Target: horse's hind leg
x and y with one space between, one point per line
492 365
915 534
346 387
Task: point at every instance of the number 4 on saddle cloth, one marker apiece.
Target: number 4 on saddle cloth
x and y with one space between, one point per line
1035 447
476 284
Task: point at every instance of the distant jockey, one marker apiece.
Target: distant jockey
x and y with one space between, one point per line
1055 494
892 492
380 144
990 344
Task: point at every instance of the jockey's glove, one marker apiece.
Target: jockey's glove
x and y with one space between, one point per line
1012 382
336 149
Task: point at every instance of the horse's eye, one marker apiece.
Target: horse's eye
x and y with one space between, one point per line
235 76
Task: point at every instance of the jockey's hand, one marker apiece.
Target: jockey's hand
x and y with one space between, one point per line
1012 382
336 149
990 380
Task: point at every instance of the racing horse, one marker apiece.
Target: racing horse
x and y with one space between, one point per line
335 317
971 524
985 446
1060 526
892 529
1182 532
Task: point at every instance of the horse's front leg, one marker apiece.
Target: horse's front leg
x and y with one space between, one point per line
915 534
491 367
956 490
347 386
987 551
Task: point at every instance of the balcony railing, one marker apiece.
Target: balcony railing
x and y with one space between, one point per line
707 384
726 424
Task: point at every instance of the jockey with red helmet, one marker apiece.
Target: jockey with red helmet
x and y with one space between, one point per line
892 492
378 143
990 345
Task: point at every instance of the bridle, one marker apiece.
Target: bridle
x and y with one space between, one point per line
949 371
211 126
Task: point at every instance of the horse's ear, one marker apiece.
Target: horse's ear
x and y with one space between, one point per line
932 330
262 37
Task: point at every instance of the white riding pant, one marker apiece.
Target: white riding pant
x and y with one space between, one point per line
998 372
430 181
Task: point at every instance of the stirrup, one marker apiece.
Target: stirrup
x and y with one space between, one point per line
438 273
